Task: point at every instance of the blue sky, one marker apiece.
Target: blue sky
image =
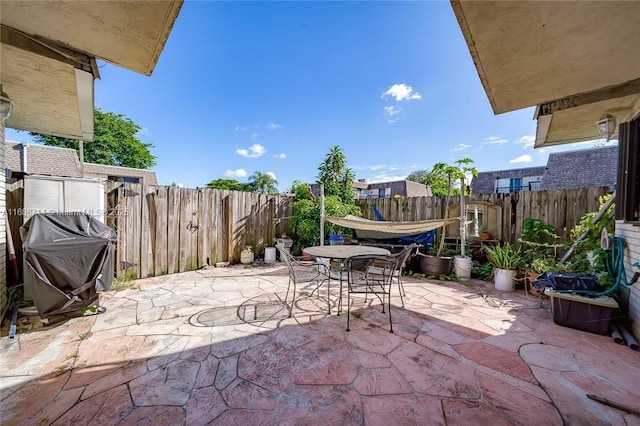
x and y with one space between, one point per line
270 86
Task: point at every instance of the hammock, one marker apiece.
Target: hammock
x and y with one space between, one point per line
377 230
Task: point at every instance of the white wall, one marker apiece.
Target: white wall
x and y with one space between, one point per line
631 234
3 232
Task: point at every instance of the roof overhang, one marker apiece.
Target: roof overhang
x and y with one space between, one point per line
581 55
49 49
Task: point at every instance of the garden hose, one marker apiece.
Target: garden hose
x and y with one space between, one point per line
615 268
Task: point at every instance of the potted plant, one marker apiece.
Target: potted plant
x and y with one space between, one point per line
484 233
443 180
506 260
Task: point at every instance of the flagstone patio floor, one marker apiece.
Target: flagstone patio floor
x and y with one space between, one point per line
216 346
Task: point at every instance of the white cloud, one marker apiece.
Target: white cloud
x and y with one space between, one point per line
281 156
273 126
527 141
522 159
240 129
239 173
392 110
254 151
401 92
273 175
494 140
385 177
460 147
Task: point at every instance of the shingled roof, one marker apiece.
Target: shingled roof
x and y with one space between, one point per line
581 169
41 160
54 161
484 183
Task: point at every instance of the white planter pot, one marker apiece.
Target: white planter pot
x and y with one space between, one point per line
462 267
503 279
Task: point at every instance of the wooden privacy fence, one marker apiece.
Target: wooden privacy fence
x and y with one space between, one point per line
560 208
164 230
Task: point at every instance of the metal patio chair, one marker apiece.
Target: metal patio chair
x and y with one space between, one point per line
303 272
402 257
373 275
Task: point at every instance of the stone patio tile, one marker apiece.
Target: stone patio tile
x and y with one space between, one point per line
114 319
119 349
502 326
318 405
497 359
607 387
170 385
381 381
227 372
472 413
512 341
207 372
373 339
471 329
20 405
243 394
424 339
154 416
43 351
82 376
108 407
168 354
244 417
266 365
328 361
371 360
446 333
56 408
403 410
227 340
150 315
572 401
197 348
205 404
160 327
549 357
434 374
518 406
291 336
116 378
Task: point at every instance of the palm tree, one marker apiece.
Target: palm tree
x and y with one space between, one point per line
263 183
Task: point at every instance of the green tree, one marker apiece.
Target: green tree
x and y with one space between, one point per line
115 142
336 176
263 183
419 176
230 185
444 176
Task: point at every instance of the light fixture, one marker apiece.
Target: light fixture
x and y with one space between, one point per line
606 127
6 105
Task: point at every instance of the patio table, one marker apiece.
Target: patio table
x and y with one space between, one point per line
340 253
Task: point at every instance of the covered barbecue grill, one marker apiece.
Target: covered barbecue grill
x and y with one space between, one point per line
68 260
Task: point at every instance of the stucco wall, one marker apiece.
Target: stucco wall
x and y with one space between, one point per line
631 295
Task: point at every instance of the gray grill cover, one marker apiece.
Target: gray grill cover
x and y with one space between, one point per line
68 259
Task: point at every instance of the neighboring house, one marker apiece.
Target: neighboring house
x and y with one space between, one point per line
565 170
513 180
33 159
402 188
581 169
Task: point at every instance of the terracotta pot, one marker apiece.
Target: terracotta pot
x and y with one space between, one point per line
485 236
